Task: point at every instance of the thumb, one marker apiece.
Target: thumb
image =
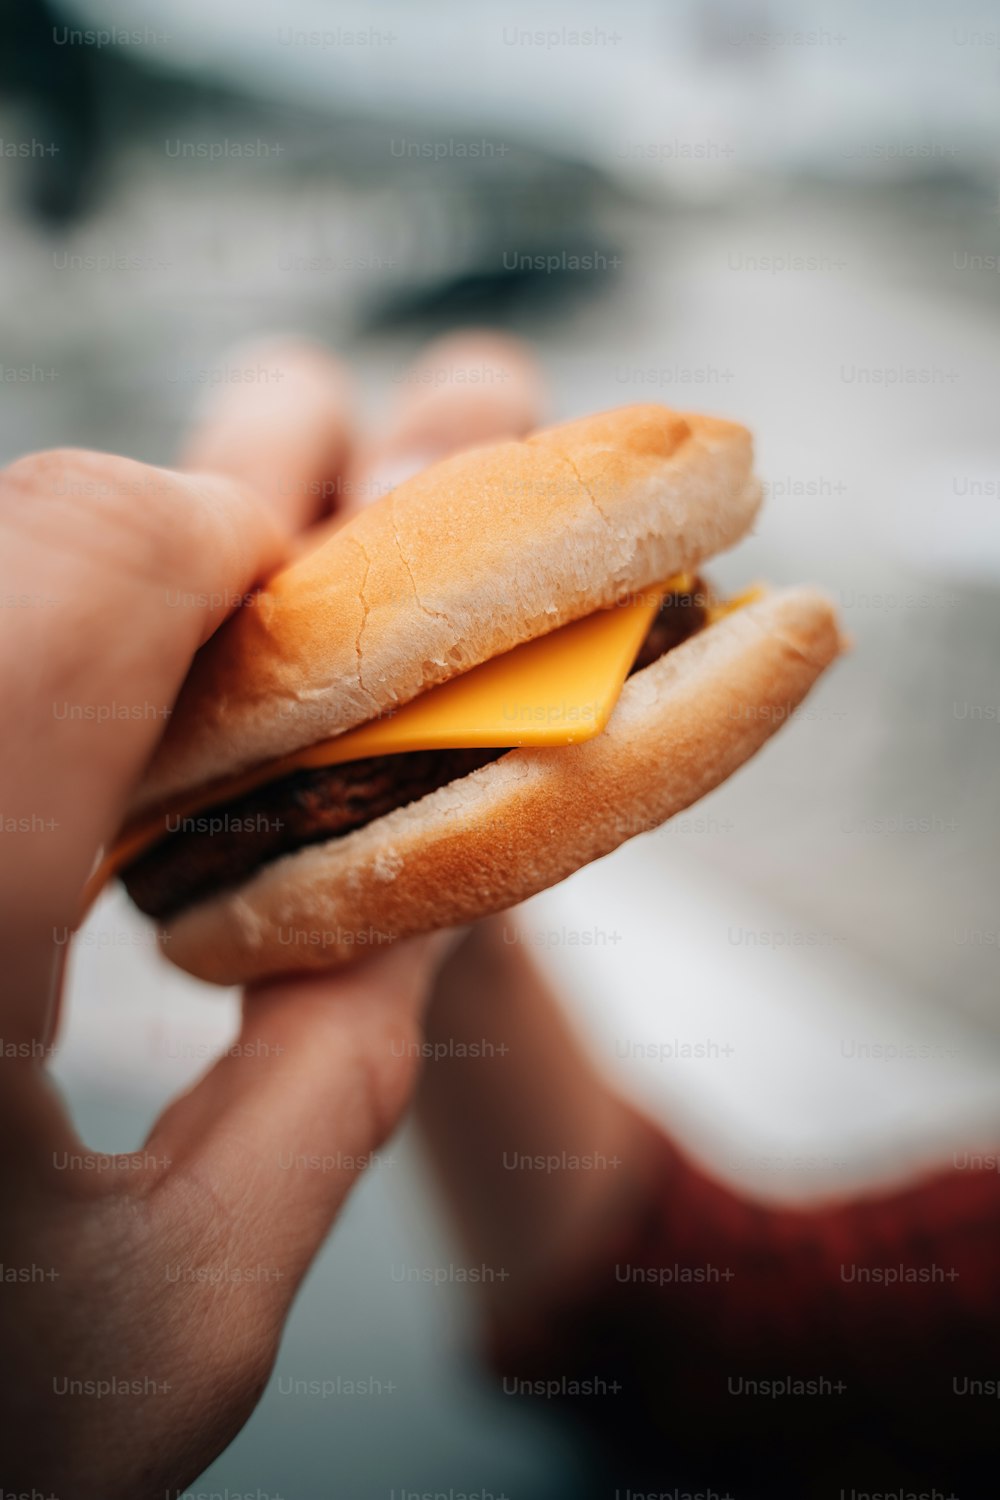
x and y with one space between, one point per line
264 1149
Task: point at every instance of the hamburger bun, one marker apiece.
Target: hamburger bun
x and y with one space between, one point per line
529 819
464 561
467 560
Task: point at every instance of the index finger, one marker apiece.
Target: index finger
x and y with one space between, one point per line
115 573
284 427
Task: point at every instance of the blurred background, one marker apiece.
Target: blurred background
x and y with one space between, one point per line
780 211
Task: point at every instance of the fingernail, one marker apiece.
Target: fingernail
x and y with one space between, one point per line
394 469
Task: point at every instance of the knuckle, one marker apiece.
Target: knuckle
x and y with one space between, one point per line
388 1068
38 475
147 525
243 1358
115 509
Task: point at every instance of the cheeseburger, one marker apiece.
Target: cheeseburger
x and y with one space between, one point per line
498 672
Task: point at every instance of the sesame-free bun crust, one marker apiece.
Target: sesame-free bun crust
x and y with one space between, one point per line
529 819
466 560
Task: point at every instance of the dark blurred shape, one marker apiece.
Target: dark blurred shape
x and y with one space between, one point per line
60 85
515 238
498 296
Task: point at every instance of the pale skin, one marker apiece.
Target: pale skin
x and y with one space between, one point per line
119 572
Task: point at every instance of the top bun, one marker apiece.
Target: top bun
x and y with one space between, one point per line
464 561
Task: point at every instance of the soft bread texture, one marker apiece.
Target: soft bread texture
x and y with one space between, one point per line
530 818
466 560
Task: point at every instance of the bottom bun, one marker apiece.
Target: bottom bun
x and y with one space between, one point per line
529 819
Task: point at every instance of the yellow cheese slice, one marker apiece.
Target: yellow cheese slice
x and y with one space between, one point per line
554 690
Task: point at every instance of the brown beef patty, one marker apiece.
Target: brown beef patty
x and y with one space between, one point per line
224 845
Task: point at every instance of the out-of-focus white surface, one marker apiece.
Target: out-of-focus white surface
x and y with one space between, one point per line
767 1043
817 1071
683 97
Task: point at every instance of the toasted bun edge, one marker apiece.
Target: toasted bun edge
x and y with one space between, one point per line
478 553
526 821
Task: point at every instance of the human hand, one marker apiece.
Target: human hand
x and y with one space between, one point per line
114 574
